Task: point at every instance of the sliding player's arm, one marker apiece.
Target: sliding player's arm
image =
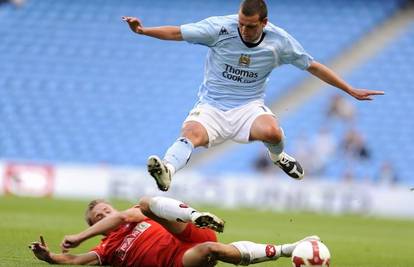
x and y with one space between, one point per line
329 76
172 33
41 251
102 227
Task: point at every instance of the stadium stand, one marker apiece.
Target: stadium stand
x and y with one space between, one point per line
76 86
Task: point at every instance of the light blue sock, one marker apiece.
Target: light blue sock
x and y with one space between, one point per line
179 153
276 149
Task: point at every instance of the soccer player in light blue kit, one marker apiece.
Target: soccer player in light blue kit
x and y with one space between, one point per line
243 51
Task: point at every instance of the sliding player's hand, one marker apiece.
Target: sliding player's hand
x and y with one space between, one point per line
364 94
69 241
134 23
40 250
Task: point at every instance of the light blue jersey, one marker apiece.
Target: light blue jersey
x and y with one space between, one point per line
235 74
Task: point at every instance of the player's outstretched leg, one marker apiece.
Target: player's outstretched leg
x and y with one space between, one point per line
238 253
287 249
175 158
254 253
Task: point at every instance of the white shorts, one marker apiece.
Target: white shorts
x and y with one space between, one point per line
233 124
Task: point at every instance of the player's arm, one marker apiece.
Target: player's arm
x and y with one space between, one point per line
41 251
103 226
164 32
329 76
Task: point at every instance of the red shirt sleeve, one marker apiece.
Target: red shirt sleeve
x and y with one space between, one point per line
100 249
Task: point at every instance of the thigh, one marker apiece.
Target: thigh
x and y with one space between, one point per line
197 256
193 234
246 118
212 120
207 254
191 253
265 128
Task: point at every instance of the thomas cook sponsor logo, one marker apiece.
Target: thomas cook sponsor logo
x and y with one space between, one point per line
239 75
244 60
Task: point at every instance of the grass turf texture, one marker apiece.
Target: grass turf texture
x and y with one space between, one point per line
353 241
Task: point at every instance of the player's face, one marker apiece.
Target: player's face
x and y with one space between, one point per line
251 27
101 211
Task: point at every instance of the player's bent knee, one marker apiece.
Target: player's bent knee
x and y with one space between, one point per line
144 205
210 248
272 134
204 254
196 133
207 249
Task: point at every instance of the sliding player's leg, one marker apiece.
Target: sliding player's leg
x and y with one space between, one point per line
175 215
238 253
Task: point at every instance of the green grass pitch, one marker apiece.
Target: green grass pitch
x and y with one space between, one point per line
354 241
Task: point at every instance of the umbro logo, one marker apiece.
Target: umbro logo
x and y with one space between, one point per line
195 113
223 31
270 251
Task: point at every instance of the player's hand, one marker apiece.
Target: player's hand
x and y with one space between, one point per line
363 94
70 241
134 23
40 250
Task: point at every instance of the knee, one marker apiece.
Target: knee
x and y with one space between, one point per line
196 133
204 254
144 205
273 134
209 249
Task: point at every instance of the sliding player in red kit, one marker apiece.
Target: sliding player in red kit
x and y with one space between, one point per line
159 232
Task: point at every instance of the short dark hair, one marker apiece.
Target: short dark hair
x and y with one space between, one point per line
253 7
90 207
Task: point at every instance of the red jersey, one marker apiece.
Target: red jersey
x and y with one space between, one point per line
148 244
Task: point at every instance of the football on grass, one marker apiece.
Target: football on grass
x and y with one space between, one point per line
311 253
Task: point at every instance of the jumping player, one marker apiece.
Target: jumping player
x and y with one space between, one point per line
159 232
243 51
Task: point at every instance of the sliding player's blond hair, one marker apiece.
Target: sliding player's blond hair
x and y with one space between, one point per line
90 207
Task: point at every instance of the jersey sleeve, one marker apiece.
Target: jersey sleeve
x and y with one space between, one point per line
204 32
99 250
293 53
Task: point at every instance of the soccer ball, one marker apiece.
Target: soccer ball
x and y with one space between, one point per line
311 253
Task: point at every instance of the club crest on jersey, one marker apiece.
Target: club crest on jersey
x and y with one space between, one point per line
244 60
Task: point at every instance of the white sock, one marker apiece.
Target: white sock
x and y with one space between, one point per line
171 209
171 168
179 154
287 249
255 253
276 149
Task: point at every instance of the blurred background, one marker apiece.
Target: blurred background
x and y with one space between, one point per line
84 102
